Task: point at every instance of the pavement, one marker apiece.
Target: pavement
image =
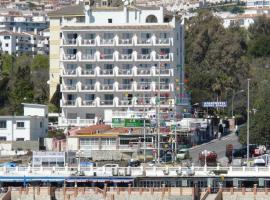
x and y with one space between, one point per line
219 146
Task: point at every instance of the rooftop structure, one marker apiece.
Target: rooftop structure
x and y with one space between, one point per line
115 58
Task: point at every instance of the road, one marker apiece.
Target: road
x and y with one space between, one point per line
219 146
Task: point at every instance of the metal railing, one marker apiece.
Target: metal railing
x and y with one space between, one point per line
88 42
88 87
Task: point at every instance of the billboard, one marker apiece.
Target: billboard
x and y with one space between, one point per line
129 122
215 104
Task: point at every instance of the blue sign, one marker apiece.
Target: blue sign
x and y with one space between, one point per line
215 104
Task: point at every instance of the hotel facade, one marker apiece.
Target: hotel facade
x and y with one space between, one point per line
105 59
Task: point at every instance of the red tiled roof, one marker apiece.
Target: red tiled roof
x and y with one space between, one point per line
101 128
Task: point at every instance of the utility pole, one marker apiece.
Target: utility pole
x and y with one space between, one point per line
248 121
158 112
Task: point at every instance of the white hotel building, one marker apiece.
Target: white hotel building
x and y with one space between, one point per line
107 59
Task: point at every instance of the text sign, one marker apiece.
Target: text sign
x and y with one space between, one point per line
215 104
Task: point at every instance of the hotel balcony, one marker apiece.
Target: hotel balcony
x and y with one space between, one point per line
163 41
125 87
163 57
125 57
163 87
106 72
106 87
109 103
106 57
68 103
86 88
70 57
143 86
76 122
143 72
125 103
144 57
68 88
68 73
143 102
87 72
163 72
88 42
88 57
89 103
144 41
125 72
107 42
70 42
125 42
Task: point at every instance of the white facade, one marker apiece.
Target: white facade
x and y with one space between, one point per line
32 126
110 60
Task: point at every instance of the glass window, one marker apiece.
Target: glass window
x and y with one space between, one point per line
145 51
108 66
108 96
89 66
126 35
90 36
6 37
3 124
3 138
90 81
127 51
108 81
20 124
146 35
108 51
126 66
164 35
71 66
108 35
90 97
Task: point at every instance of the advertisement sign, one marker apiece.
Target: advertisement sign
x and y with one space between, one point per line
118 122
129 123
215 104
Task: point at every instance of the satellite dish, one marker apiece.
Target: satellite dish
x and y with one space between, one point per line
87 7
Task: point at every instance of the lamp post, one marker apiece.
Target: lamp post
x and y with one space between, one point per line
234 94
248 120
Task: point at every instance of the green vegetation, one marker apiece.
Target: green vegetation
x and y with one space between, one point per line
219 61
22 79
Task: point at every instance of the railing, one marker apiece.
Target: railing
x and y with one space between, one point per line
125 102
106 102
143 71
106 56
88 57
106 87
125 71
89 102
106 72
144 86
88 72
70 103
69 72
69 57
125 56
163 56
88 87
143 101
144 41
176 171
143 56
125 87
69 87
163 87
70 42
163 72
125 41
107 41
88 42
163 41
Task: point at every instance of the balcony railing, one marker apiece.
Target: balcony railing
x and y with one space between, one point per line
88 72
106 41
144 41
163 72
143 86
143 71
125 87
106 102
125 41
125 71
106 87
143 101
163 56
88 87
125 57
88 57
106 56
69 57
163 41
125 102
88 42
69 72
106 72
89 102
70 103
143 56
69 87
164 87
70 41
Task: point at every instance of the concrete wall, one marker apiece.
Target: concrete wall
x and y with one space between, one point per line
26 145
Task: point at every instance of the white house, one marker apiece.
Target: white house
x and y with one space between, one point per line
33 125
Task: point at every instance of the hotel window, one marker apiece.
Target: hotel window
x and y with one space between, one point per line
109 21
3 124
108 35
90 36
6 37
3 138
89 66
126 35
20 124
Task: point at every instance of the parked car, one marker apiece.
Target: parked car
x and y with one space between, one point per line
182 154
240 153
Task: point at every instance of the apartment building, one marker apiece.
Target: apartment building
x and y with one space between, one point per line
115 58
18 43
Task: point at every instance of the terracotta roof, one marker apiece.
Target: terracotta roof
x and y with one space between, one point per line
124 27
101 128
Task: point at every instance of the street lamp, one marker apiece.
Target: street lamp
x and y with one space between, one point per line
234 94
